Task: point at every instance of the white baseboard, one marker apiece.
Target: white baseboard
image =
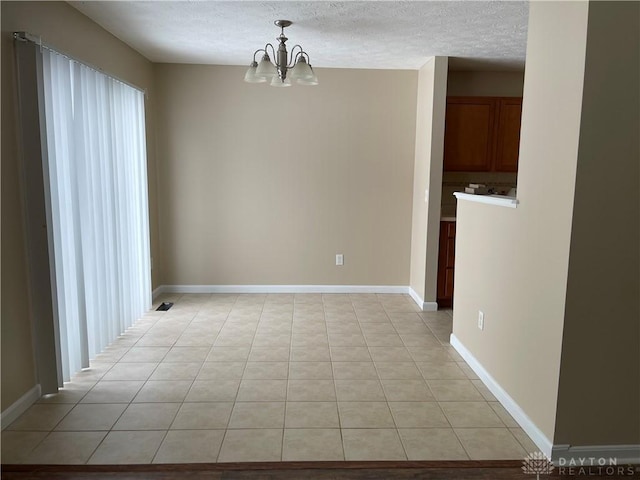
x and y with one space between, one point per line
592 455
424 306
157 292
542 442
281 289
18 407
561 455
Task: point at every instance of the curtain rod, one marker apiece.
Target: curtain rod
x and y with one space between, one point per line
28 37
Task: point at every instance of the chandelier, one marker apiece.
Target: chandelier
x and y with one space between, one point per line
301 69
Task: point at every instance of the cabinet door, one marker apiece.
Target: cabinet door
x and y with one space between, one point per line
446 263
468 134
508 137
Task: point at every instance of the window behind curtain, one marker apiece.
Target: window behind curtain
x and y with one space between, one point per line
95 170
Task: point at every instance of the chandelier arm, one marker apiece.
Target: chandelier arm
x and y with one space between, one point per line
275 58
256 52
294 57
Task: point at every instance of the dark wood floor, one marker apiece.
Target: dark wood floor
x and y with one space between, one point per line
471 470
273 471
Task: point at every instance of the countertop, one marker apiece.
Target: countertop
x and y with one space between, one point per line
448 212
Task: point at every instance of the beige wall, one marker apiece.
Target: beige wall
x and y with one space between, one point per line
264 186
427 177
513 263
65 29
600 368
485 84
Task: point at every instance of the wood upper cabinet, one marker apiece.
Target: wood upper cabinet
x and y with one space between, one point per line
508 135
468 137
482 134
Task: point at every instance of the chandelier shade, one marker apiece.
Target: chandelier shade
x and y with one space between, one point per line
265 68
278 82
309 81
285 67
251 77
301 69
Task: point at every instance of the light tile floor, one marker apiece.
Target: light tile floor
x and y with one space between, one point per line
226 378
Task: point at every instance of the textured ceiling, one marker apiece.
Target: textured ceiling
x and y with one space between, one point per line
483 35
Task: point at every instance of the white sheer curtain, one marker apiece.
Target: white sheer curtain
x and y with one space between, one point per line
97 183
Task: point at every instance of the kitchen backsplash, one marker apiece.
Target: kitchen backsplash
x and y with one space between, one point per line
456 181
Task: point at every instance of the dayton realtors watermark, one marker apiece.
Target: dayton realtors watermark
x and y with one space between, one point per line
538 464
592 466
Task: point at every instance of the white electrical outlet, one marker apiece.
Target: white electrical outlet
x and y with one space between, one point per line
480 319
339 259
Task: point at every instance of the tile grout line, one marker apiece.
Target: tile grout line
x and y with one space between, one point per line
335 387
224 435
131 403
393 418
183 400
242 375
145 382
375 366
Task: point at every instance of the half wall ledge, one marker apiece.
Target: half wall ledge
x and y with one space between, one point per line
500 200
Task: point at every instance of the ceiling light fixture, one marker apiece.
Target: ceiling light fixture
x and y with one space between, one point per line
301 69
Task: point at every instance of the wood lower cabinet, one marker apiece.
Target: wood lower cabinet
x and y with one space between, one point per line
482 134
446 262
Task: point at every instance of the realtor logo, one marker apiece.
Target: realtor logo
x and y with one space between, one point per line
537 463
